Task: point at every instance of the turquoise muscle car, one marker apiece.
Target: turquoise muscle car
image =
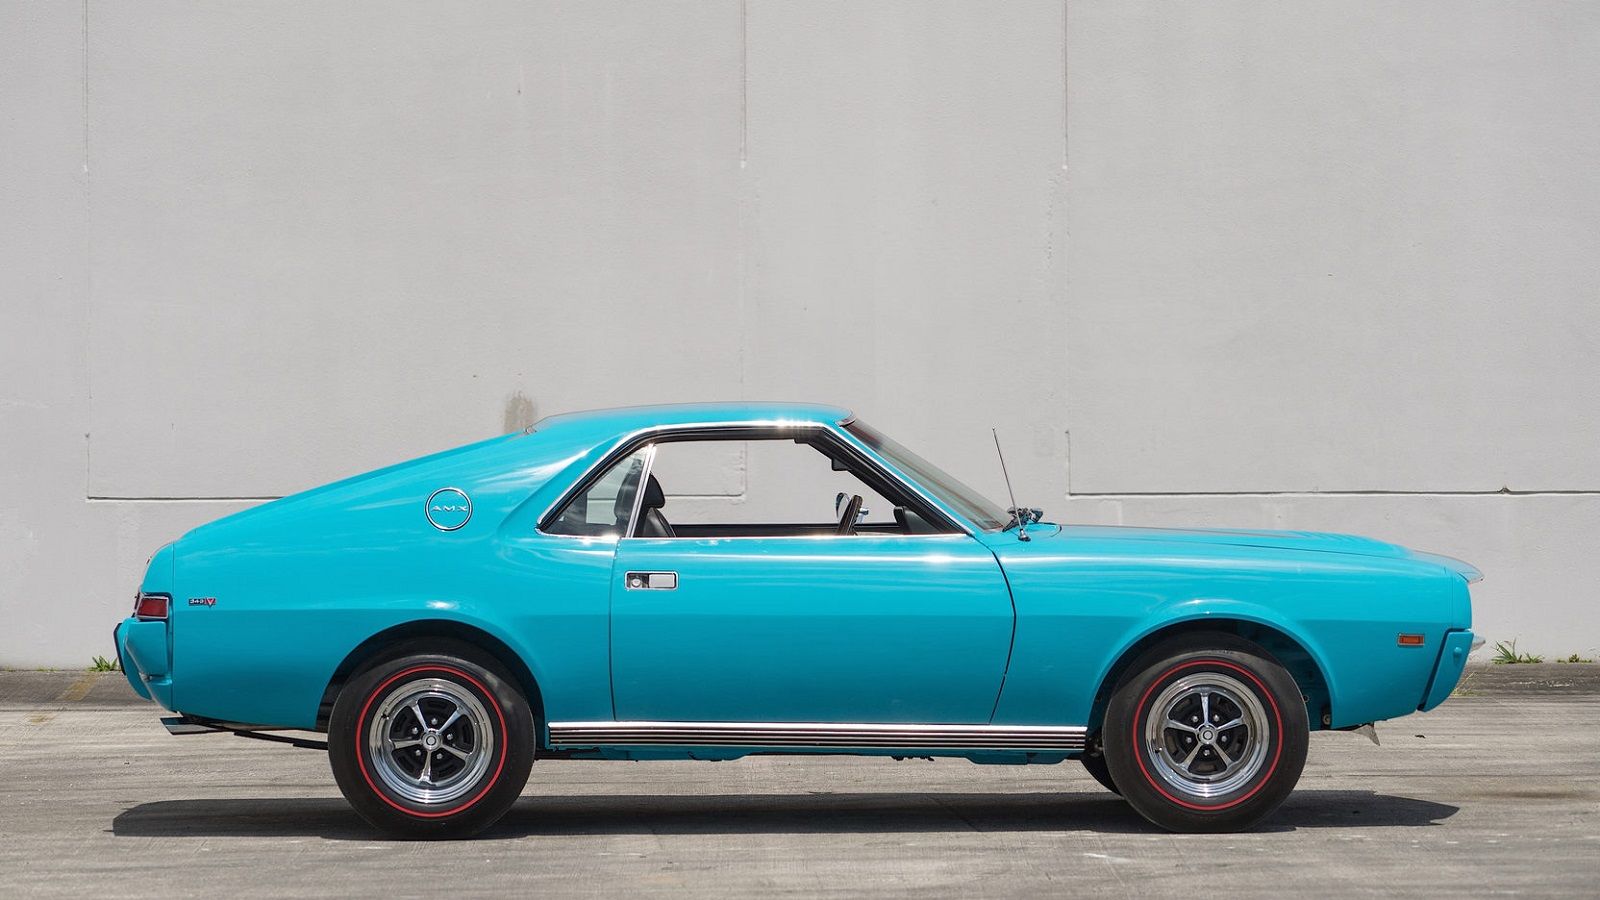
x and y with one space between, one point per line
683 582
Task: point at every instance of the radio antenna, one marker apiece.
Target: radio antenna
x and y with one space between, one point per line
1017 513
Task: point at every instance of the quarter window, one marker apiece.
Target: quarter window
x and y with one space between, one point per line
606 505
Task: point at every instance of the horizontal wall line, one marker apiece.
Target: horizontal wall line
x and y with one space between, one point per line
1500 493
106 498
109 499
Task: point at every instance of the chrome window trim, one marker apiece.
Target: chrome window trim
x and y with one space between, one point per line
638 491
894 472
890 474
810 735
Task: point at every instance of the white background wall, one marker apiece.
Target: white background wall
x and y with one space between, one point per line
1255 264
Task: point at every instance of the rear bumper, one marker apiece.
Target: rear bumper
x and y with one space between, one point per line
145 659
1447 671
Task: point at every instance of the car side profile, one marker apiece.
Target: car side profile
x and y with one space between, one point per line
709 581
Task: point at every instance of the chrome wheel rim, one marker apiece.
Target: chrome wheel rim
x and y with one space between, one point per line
1206 735
430 741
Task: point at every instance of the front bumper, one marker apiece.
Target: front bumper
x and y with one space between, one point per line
1447 671
144 656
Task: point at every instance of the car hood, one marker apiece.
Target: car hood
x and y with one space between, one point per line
1316 541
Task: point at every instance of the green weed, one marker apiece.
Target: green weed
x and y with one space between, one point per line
1506 654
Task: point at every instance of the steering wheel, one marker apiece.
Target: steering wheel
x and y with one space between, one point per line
847 520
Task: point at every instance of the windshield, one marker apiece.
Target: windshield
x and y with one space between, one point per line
964 500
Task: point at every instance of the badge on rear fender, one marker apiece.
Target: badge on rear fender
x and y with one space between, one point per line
202 601
448 508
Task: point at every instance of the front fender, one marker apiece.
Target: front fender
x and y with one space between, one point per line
1190 613
1084 605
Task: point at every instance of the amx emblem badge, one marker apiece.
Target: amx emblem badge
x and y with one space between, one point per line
448 508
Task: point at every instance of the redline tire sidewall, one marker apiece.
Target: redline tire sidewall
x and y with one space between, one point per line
1131 706
497 724
501 784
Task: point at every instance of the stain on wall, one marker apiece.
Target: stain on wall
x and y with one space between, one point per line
519 412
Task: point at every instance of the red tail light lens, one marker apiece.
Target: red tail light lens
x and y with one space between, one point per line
152 606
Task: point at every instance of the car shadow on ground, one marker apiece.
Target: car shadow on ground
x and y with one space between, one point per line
810 813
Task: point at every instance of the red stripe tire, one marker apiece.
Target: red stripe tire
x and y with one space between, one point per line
435 740
1206 733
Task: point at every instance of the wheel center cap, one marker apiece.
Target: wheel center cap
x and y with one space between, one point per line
1208 735
430 740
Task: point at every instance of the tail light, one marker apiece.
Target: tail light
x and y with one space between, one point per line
152 606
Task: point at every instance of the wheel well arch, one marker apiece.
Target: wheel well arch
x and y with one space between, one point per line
375 648
1287 650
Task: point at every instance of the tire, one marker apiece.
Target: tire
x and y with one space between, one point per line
1187 776
483 744
1094 760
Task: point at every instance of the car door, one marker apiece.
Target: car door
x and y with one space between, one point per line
901 629
807 627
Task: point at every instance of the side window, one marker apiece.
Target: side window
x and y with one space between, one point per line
603 508
771 487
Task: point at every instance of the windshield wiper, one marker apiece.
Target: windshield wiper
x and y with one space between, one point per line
1022 518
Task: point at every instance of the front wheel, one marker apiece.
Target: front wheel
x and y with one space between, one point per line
432 743
1207 733
1094 761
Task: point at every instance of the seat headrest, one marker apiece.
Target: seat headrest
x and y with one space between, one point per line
654 497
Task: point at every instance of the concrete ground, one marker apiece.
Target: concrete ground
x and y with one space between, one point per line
1498 791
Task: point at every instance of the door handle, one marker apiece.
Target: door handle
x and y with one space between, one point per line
652 581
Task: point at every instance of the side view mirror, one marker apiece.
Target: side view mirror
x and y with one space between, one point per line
841 500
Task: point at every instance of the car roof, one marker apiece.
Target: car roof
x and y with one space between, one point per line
631 418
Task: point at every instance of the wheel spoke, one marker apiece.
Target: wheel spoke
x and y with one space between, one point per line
427 770
1187 760
458 754
450 720
1226 725
416 710
1205 707
1181 726
401 745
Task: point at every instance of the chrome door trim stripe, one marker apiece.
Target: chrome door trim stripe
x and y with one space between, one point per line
570 735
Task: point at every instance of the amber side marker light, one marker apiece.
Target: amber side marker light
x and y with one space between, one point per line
1411 640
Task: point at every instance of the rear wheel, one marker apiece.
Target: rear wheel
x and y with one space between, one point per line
1206 733
434 742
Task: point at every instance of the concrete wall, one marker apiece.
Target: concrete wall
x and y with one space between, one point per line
1254 264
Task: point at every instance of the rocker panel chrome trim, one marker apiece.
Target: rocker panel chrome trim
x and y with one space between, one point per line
572 735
